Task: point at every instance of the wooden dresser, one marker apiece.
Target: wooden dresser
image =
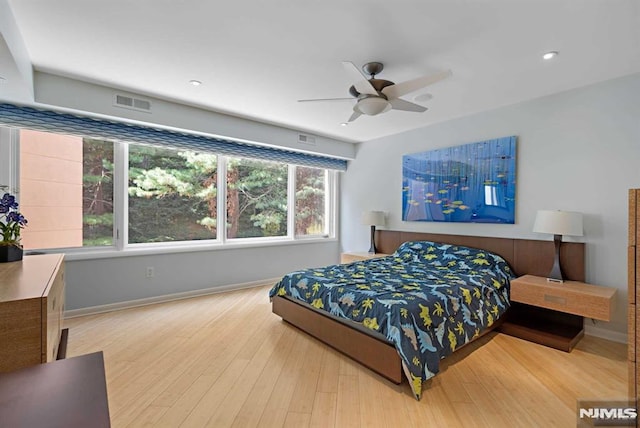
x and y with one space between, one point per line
633 291
31 310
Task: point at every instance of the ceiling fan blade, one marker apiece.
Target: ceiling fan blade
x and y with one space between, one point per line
403 88
400 104
361 83
326 99
356 114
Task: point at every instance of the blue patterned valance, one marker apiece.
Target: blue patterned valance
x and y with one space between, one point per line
51 121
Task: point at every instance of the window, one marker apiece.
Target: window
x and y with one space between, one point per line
172 195
256 198
310 196
66 191
83 192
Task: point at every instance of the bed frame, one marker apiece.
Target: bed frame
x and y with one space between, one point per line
525 256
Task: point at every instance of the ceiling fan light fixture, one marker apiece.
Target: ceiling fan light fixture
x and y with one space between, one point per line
372 106
550 55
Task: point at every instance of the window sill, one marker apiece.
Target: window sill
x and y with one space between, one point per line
146 250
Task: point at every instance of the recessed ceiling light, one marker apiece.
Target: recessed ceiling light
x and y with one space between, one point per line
550 55
344 124
195 82
422 98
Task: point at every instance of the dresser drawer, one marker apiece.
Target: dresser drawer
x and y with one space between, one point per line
31 308
570 297
54 313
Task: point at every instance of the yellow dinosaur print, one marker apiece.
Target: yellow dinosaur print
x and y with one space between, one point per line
460 329
467 295
489 320
363 287
480 261
496 283
371 323
367 304
476 333
438 309
416 361
453 342
317 303
495 311
424 314
316 287
404 312
430 256
417 385
476 292
282 291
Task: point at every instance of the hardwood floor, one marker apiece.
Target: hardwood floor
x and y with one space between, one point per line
226 360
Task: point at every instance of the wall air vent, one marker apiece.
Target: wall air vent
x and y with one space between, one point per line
132 103
307 139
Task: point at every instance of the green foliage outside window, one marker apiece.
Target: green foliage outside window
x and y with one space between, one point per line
173 196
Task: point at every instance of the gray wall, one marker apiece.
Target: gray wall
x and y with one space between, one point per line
577 151
119 279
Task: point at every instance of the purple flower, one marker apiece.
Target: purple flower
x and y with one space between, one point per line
16 218
8 201
11 221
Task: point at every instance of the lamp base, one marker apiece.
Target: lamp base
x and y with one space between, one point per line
556 271
372 248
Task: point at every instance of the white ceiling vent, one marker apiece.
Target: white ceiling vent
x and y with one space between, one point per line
132 103
307 139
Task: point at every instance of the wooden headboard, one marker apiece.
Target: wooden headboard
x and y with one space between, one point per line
525 256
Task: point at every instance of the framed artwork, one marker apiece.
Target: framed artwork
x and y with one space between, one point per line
472 183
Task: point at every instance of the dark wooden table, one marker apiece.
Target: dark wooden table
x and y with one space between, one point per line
65 393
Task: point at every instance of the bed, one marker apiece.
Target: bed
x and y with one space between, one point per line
403 313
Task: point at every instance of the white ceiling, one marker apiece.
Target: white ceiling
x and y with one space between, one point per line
257 58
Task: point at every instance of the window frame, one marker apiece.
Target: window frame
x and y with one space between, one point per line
121 247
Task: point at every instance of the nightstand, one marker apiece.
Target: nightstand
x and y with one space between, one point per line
552 313
354 257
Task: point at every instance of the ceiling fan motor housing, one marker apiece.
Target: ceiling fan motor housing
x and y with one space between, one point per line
378 85
372 105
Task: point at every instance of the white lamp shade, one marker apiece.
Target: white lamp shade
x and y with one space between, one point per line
373 218
558 223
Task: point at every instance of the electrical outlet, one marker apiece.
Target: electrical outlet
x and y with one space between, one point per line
151 272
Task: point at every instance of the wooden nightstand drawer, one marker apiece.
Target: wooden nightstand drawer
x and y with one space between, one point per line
354 257
571 297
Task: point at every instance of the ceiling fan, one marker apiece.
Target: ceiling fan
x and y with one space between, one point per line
375 96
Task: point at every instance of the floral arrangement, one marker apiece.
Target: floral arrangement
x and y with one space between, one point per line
13 221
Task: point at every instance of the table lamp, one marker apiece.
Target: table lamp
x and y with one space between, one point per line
558 223
373 219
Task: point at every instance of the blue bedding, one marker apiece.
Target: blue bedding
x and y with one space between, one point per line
427 298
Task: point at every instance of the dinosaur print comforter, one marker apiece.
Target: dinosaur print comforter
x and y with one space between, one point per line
427 298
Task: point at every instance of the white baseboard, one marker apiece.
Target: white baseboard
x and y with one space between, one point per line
602 333
92 310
